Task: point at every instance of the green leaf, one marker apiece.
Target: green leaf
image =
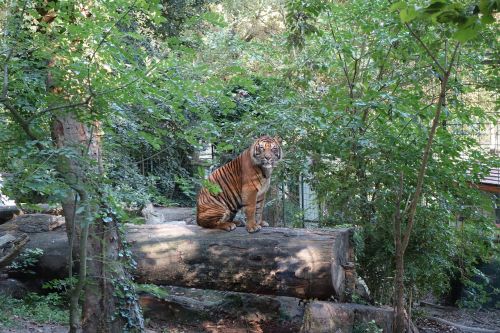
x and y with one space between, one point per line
487 19
446 16
151 139
397 6
465 35
408 14
468 31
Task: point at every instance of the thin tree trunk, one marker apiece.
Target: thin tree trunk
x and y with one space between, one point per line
98 245
399 323
402 239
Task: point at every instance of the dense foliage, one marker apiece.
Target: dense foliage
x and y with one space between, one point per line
347 85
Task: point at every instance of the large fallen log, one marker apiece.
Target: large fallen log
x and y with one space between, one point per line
279 261
217 311
221 311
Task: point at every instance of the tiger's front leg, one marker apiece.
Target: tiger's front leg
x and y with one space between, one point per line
259 209
250 208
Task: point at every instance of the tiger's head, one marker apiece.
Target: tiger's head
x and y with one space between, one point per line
266 152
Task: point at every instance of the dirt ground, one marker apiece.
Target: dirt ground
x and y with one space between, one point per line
23 326
487 319
483 319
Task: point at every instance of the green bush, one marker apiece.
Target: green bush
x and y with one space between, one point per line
25 261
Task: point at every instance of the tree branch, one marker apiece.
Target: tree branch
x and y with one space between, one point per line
453 57
60 107
23 123
104 92
344 64
436 62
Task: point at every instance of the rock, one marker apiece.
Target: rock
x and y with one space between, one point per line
5 239
33 223
13 288
8 212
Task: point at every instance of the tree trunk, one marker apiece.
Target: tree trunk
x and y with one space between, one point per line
98 246
278 261
399 322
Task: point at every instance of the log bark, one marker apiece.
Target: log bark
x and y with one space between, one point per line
259 313
218 311
10 247
325 317
278 261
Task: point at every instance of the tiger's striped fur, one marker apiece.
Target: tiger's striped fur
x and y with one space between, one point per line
244 182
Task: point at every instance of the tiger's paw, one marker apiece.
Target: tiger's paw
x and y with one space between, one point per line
264 224
253 228
228 226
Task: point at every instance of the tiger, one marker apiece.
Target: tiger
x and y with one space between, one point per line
244 182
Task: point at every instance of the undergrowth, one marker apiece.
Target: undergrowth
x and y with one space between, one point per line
34 307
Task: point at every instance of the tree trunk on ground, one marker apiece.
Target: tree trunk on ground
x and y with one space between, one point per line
279 261
209 308
257 313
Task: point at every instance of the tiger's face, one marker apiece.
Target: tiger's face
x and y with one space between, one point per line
266 152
